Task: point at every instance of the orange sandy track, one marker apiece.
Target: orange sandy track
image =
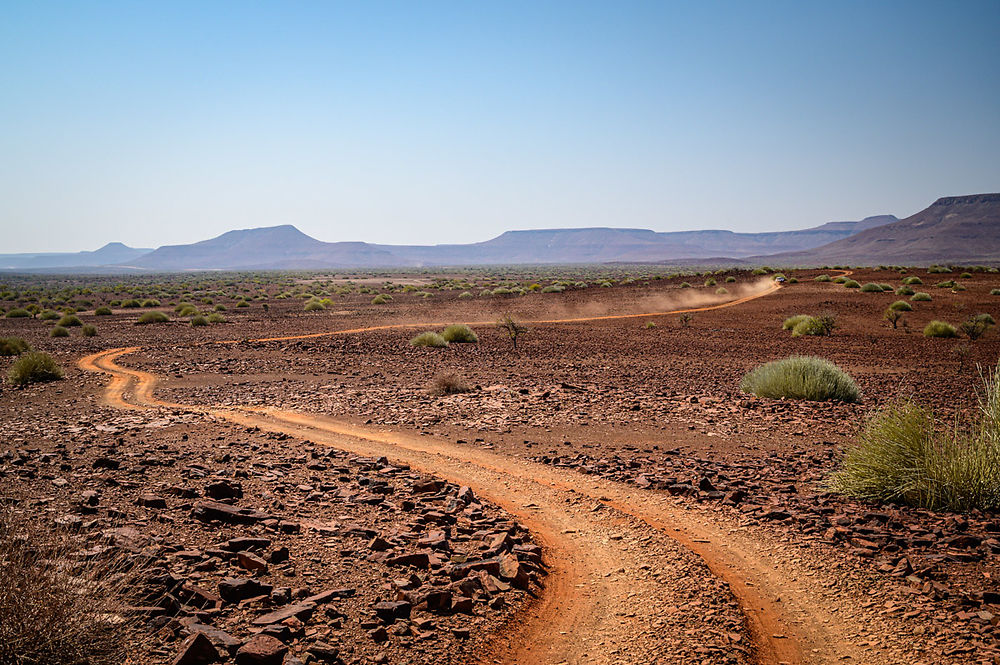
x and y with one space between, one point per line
575 619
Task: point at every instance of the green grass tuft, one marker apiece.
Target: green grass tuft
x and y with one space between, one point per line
429 338
851 284
801 377
34 367
793 321
152 317
70 321
870 287
940 329
18 313
459 334
102 311
901 457
13 346
88 331
920 296
901 306
59 331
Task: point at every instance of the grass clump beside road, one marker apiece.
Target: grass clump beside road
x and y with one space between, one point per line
801 377
940 329
429 338
34 367
152 317
459 333
901 457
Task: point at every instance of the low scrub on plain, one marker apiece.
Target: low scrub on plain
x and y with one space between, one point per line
871 287
901 306
940 329
804 324
314 306
70 321
459 333
448 383
920 296
429 338
198 321
59 331
102 311
88 331
822 278
18 313
801 377
13 346
34 367
995 292
902 456
851 284
152 317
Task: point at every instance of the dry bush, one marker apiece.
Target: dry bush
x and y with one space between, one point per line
58 606
801 377
448 383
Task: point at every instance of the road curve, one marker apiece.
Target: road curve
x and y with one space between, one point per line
578 617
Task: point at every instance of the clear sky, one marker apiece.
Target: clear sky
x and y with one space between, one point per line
427 122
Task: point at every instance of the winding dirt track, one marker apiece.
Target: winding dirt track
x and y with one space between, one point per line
586 614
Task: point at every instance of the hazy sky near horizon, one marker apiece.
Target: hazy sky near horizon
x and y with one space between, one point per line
437 122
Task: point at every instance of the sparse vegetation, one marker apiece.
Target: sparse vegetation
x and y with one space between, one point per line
901 456
381 299
904 291
822 278
801 377
103 311
509 325
13 346
152 317
88 331
314 306
197 321
57 611
851 284
685 319
995 292
33 367
940 329
70 321
870 287
448 383
459 333
920 296
215 317
18 313
901 306
793 321
429 338
893 316
59 331
976 325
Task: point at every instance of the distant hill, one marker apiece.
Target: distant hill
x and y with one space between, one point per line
598 245
114 253
955 229
271 248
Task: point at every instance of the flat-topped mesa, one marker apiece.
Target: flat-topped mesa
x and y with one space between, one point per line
969 199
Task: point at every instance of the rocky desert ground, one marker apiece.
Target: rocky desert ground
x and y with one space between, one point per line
300 484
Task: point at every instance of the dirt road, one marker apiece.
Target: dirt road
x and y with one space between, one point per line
616 553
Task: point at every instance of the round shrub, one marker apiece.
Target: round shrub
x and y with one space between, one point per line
381 299
822 278
871 287
88 331
18 313
553 289
13 346
465 295
793 321
34 367
198 321
710 282
216 318
151 302
901 306
220 308
904 291
429 338
721 291
59 331
940 329
810 326
152 317
851 284
459 333
49 315
801 377
913 280
243 303
920 296
70 321
102 311
685 285
314 306
130 304
730 279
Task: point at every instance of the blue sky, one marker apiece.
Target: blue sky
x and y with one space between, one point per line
433 122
